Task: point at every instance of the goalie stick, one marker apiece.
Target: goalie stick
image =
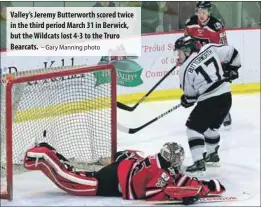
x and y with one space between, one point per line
134 130
132 108
208 199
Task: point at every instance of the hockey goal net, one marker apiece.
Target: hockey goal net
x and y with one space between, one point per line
64 107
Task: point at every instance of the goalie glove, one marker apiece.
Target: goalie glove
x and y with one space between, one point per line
187 194
214 186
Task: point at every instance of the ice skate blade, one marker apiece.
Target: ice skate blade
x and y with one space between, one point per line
212 164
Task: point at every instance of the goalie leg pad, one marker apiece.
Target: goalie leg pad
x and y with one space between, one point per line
45 160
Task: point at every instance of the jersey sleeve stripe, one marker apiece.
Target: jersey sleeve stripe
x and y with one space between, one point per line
233 57
213 86
133 192
182 180
128 189
217 184
151 192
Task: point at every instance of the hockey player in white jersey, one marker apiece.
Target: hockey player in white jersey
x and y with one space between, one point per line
204 80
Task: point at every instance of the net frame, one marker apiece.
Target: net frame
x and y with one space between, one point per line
8 193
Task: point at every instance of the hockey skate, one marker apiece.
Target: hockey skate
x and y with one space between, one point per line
197 169
212 159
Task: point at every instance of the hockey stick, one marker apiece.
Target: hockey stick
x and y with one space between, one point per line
209 199
132 108
134 130
201 200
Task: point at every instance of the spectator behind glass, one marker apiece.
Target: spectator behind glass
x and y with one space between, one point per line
149 16
170 16
3 6
186 8
215 12
104 4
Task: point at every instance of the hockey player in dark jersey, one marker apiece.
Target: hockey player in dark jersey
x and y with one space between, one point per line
207 29
205 81
155 178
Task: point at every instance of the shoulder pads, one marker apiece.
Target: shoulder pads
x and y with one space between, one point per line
215 24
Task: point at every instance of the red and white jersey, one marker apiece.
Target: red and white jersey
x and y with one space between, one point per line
212 32
147 178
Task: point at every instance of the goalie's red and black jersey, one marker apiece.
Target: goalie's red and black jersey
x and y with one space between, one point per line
143 179
147 178
212 32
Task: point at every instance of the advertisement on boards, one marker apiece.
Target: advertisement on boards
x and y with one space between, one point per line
139 74
134 74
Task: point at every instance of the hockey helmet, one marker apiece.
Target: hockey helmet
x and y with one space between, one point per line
173 153
204 5
187 44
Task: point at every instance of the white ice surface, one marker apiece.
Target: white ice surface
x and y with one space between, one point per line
239 153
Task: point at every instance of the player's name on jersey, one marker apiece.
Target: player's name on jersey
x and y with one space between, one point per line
203 56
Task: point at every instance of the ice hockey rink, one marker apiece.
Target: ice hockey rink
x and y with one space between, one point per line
239 153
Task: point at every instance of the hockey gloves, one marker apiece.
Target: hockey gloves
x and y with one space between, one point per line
230 72
231 75
187 102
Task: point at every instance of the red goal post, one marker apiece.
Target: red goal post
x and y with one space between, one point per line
79 116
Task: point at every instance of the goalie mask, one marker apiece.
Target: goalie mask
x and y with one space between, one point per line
173 153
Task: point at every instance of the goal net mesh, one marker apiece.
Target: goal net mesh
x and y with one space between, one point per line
71 113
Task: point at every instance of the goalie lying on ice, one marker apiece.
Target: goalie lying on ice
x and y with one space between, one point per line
131 176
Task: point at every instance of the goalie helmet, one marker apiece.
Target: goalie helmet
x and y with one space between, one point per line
173 153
